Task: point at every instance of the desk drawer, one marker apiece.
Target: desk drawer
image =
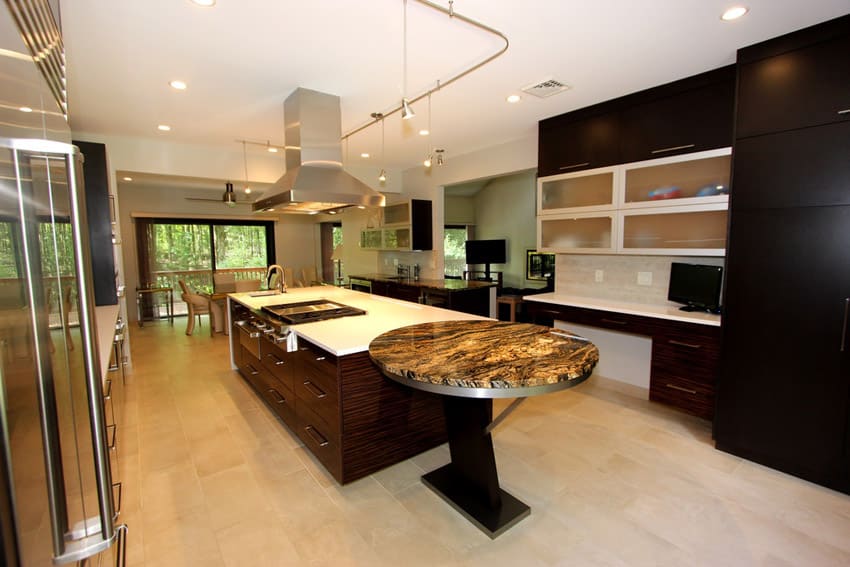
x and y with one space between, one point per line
694 397
319 391
279 363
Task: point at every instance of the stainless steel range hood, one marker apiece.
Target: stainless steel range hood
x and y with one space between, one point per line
314 180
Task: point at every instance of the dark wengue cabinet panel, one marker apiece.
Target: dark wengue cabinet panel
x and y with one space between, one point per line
784 381
569 144
803 87
421 220
798 168
782 398
99 221
692 121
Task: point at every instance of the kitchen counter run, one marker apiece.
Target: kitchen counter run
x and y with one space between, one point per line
349 335
448 285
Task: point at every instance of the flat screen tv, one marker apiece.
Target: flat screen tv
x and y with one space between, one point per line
696 286
486 251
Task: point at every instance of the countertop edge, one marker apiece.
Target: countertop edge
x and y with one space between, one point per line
641 309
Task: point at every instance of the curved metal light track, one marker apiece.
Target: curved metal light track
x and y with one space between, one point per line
442 84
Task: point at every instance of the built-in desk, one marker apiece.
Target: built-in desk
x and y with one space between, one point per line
685 354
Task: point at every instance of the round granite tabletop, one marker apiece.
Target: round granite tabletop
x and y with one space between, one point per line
484 359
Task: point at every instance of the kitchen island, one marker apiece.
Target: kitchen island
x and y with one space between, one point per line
476 297
318 378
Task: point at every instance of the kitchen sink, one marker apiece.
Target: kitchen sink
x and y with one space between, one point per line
264 293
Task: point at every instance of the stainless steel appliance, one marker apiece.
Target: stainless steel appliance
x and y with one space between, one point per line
57 499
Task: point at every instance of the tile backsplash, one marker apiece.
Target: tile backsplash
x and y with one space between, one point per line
576 274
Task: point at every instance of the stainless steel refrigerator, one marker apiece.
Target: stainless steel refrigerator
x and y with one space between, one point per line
57 498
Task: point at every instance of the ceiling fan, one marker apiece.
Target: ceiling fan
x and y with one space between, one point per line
229 198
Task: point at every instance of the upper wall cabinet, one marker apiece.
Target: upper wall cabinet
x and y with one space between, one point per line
572 143
795 89
691 121
689 115
407 226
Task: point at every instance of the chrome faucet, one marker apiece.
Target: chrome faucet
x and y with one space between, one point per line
281 279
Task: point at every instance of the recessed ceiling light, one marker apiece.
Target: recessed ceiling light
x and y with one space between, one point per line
25 109
127 178
204 3
272 149
178 85
513 98
247 190
164 127
424 132
734 13
365 155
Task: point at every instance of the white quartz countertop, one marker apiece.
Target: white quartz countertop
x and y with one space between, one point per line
348 335
105 317
643 309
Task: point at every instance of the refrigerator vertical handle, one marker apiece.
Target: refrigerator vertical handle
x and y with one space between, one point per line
844 326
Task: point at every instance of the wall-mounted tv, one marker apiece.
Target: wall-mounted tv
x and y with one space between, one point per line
486 251
696 286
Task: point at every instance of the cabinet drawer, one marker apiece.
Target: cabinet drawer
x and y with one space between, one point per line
280 399
319 438
321 361
569 143
279 363
692 397
316 386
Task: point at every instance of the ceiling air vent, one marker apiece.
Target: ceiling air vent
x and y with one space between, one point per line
546 88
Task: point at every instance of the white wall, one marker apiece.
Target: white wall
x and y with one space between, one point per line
504 208
459 210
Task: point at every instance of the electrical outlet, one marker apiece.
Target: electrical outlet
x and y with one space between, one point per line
599 276
644 278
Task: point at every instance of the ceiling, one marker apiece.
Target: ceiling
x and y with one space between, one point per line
241 59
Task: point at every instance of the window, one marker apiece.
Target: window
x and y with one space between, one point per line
170 250
454 249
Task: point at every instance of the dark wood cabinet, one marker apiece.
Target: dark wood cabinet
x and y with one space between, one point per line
685 356
99 218
689 115
804 86
573 143
785 374
797 168
694 120
783 394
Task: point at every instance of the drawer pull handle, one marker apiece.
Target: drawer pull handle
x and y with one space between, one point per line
845 111
686 345
317 437
313 389
252 371
277 361
318 358
277 396
672 149
108 394
114 437
614 322
686 390
573 166
118 499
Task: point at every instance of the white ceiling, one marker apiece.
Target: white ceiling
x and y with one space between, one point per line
242 58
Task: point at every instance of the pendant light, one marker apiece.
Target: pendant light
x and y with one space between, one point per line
245 162
406 110
427 162
229 198
382 177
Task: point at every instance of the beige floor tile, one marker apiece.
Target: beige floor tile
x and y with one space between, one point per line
214 478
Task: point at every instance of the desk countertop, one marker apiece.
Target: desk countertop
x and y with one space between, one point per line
447 285
646 310
497 359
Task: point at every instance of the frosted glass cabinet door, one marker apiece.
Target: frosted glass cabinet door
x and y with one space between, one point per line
687 179
397 214
577 233
587 190
675 230
370 239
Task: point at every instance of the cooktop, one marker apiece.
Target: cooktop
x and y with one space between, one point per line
310 311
